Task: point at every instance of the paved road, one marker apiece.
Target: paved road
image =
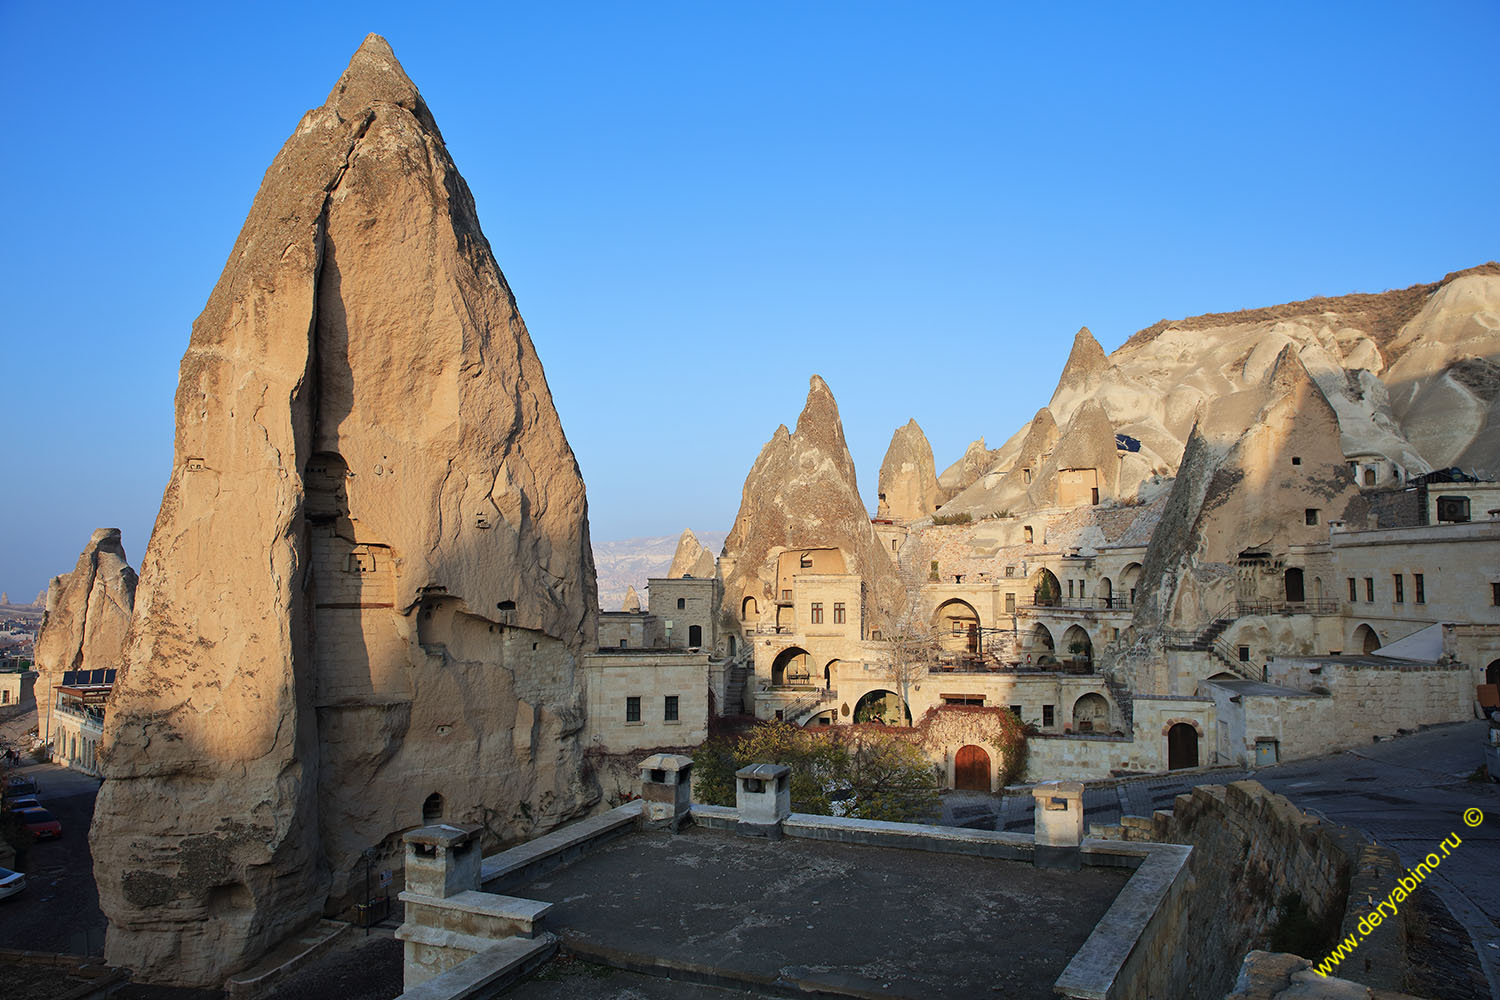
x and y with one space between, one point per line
1407 793
59 910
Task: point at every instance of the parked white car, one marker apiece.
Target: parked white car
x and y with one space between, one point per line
11 882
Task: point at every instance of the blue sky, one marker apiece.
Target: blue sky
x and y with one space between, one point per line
700 205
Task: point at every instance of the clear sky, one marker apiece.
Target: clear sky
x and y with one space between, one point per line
700 205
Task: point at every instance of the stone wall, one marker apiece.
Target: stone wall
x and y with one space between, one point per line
1376 698
652 676
1250 848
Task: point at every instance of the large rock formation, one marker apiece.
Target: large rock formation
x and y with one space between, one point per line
88 613
691 559
1256 463
975 462
908 481
632 602
1412 375
802 493
371 578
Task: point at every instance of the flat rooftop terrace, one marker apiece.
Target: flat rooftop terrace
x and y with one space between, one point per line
716 907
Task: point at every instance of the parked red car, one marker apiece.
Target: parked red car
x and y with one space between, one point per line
41 824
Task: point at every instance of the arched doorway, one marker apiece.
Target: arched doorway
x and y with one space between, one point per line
732 646
432 809
1182 747
695 636
1107 591
830 670
1365 639
825 718
1294 590
1091 714
1041 648
957 624
971 769
1046 592
1492 673
1129 577
883 707
1079 647
748 610
790 668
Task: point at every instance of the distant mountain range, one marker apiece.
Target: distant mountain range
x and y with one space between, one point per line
629 562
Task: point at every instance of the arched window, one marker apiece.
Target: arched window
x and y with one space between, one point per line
681 603
432 809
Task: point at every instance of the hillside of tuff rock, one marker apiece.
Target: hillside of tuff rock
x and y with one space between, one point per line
1412 375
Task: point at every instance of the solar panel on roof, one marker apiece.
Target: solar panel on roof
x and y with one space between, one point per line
109 676
70 676
97 676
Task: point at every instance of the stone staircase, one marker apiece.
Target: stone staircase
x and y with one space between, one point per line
734 688
1125 699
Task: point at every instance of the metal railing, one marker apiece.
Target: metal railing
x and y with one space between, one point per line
1080 604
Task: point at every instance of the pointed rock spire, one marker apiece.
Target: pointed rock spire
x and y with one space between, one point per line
908 481
691 558
802 493
632 600
407 508
88 612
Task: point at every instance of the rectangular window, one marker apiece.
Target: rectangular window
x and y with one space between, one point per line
669 710
1047 715
1081 585
1369 588
633 709
1311 515
1015 710
1420 585
838 613
1010 604
1495 594
1244 654
786 595
1400 583
1010 571
1353 590
1070 588
624 643
806 560
817 613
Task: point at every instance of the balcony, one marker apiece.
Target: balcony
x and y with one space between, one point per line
1085 605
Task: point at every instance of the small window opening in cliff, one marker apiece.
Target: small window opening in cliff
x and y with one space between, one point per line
1095 495
1296 459
1310 515
506 606
1026 475
882 497
1027 531
432 809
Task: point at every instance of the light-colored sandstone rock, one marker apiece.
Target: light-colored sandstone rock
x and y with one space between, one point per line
802 492
976 461
370 580
88 613
632 600
908 481
691 559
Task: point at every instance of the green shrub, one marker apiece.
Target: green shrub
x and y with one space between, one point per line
962 518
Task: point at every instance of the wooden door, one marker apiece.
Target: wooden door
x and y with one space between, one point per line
971 769
1182 746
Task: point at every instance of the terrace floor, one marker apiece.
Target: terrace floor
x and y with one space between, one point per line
803 913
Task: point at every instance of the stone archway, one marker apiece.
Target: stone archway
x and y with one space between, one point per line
1492 673
1046 591
1091 714
881 706
1365 639
1295 591
1078 647
791 668
1040 646
971 769
957 625
1130 578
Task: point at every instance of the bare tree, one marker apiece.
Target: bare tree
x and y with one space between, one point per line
908 639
